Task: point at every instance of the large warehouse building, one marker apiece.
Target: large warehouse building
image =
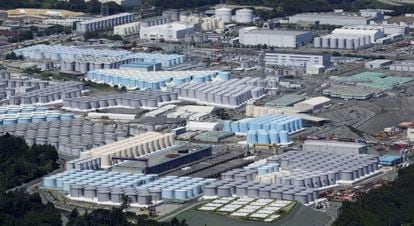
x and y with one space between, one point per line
175 31
339 19
335 147
296 60
122 2
252 36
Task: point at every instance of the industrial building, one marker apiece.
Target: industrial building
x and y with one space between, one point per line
141 66
377 64
135 99
402 66
375 80
232 93
150 80
67 22
171 158
285 100
127 29
204 126
335 147
252 36
390 160
339 19
154 21
313 104
296 60
203 23
131 147
350 92
174 31
104 23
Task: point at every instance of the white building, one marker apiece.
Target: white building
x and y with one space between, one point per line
204 126
313 103
296 60
339 19
410 134
154 21
402 66
335 147
127 29
252 36
122 2
170 32
377 64
68 22
104 23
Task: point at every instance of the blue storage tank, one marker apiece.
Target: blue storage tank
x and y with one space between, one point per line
67 116
27 109
180 194
252 137
22 120
263 137
178 81
9 121
224 75
38 118
227 126
49 182
284 137
235 126
52 117
274 137
41 109
199 79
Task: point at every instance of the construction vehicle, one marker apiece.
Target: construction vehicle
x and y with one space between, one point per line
275 147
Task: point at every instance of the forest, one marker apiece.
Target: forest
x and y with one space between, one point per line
390 205
20 163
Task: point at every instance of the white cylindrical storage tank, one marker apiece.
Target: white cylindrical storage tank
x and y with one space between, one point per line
349 44
244 16
356 43
317 41
341 43
333 43
361 41
224 14
325 42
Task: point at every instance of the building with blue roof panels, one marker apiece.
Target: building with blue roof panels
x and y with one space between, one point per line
141 66
390 160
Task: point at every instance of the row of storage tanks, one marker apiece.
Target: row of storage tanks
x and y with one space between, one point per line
344 167
133 99
242 183
71 54
70 137
267 129
205 23
83 164
342 42
150 80
104 23
244 16
219 93
109 187
49 94
47 116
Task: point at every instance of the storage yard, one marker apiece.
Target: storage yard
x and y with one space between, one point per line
216 115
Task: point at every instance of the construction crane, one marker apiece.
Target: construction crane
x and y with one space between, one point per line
275 147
